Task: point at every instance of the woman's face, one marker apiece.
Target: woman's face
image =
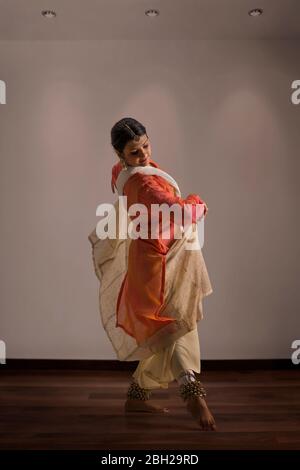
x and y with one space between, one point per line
137 153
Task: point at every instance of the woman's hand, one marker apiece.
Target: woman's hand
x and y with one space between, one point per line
198 200
206 209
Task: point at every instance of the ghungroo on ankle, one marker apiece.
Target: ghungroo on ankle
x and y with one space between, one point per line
192 389
138 393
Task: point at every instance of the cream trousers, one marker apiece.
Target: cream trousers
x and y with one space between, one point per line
158 370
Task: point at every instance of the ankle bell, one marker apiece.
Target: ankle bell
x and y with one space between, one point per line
192 389
138 393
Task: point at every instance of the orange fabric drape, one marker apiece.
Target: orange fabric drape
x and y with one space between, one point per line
141 297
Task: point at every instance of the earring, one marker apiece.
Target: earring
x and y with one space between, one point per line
123 163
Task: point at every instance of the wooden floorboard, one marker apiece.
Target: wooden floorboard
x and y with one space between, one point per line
69 409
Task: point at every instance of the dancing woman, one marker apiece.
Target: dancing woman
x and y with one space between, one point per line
152 288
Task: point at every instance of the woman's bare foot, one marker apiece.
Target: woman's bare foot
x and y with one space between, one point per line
132 404
198 408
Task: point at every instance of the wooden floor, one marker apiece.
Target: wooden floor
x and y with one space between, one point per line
47 409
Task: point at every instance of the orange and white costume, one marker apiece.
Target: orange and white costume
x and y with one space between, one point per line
151 290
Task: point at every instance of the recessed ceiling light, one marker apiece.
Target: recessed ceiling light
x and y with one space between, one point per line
49 14
152 12
255 12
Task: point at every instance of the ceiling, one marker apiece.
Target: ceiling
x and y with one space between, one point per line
125 19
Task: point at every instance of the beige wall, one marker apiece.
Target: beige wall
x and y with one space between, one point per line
220 120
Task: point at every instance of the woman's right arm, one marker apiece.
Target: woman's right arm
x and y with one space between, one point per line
152 192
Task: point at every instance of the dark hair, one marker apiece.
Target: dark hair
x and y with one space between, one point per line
121 134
